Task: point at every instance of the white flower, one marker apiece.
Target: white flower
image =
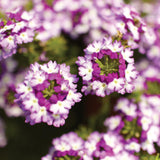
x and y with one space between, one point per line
153 52
26 16
61 107
100 88
116 84
25 36
86 71
127 54
121 103
39 78
7 27
145 121
110 140
113 141
35 67
76 145
18 26
134 30
50 67
148 146
91 146
39 115
153 134
62 146
130 110
112 122
128 87
115 47
95 47
24 88
108 158
72 96
130 73
31 102
121 27
88 89
8 42
154 101
127 12
133 146
126 156
71 79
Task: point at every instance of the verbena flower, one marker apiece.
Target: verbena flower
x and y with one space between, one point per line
136 123
12 5
7 98
77 19
151 17
103 146
8 82
48 93
15 31
107 67
67 146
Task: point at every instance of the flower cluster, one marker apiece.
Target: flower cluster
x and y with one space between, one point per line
109 16
18 29
154 50
8 86
107 67
148 81
151 16
7 95
43 17
12 5
76 19
133 116
135 121
122 56
47 93
103 146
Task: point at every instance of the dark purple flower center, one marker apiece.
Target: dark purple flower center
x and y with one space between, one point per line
103 149
49 92
76 16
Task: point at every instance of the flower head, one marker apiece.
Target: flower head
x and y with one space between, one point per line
107 67
48 93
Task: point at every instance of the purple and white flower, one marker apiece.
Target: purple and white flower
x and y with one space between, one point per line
103 146
107 67
135 121
48 93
